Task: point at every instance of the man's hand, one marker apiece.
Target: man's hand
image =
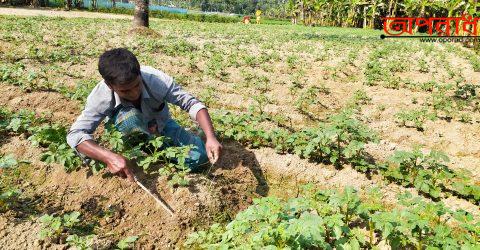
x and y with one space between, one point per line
118 164
214 149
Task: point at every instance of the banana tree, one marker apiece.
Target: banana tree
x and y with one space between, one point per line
352 12
375 6
452 5
292 10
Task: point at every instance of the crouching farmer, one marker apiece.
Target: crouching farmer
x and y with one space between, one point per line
135 99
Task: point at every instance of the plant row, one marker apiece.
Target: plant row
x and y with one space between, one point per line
341 140
152 154
73 230
329 219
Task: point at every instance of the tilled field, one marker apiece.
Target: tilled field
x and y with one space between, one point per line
333 107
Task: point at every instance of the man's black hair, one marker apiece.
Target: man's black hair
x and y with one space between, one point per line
118 66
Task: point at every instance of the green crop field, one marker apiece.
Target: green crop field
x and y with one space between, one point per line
333 139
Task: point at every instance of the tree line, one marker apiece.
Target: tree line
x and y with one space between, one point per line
368 13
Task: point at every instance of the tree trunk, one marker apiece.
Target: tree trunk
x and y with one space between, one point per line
422 14
390 7
364 16
35 3
374 11
68 4
140 16
302 12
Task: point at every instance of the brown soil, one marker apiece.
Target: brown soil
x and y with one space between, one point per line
242 174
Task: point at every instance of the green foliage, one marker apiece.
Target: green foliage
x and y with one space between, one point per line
52 137
9 199
427 173
172 160
149 153
63 155
392 83
418 224
47 134
339 140
316 221
54 226
328 219
475 62
443 105
423 66
292 61
208 96
216 67
309 100
8 161
22 121
466 91
465 186
375 73
127 243
414 118
174 16
429 86
360 97
81 91
80 242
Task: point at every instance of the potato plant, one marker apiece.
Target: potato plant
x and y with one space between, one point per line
329 219
415 118
429 174
9 199
54 226
127 243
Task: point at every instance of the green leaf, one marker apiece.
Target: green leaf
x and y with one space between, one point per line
8 161
127 242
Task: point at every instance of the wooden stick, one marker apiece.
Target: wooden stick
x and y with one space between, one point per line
157 199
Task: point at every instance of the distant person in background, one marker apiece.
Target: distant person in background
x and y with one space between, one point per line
258 13
246 19
135 98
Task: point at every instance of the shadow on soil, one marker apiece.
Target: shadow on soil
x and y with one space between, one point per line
235 156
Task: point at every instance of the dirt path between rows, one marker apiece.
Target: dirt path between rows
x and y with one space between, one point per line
59 13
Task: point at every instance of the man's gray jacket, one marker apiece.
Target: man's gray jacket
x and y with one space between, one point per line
102 101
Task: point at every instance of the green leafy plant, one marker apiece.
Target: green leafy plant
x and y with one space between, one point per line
309 100
415 118
443 105
127 243
8 161
331 219
423 66
375 72
216 67
54 226
9 199
427 173
62 154
172 160
80 242
22 121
